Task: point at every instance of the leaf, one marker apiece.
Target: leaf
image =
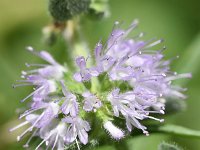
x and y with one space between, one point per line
178 130
168 146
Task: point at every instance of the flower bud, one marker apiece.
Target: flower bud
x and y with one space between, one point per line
114 131
62 10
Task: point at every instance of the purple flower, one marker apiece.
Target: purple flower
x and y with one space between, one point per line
43 87
91 102
132 108
77 127
70 105
53 135
131 79
43 78
53 70
50 111
85 74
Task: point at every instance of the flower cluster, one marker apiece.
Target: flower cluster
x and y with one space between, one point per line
128 79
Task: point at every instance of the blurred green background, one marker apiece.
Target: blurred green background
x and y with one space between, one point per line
178 22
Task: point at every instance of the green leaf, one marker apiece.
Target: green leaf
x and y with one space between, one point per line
178 130
168 146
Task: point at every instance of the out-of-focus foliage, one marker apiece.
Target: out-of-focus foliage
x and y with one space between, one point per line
178 22
168 146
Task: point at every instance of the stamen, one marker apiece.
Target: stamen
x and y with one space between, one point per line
36 65
32 94
150 117
131 27
148 80
153 112
138 36
178 88
163 49
27 130
140 126
146 133
155 75
19 85
29 72
30 48
29 112
55 141
179 76
29 140
114 42
64 89
24 81
77 144
154 43
42 142
19 126
38 119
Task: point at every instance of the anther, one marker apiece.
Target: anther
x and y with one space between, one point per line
29 48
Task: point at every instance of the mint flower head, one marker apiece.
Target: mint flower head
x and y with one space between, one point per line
128 82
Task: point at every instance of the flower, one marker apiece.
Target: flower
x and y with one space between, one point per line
70 105
77 127
54 70
91 102
128 80
50 111
85 74
53 135
132 108
44 77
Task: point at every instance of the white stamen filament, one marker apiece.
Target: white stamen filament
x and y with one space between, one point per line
185 75
56 139
29 112
154 43
36 65
24 84
150 117
77 145
43 142
38 119
19 126
32 94
29 140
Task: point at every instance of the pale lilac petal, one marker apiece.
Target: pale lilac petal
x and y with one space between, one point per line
80 61
78 77
87 106
83 136
94 72
46 56
98 50
71 135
